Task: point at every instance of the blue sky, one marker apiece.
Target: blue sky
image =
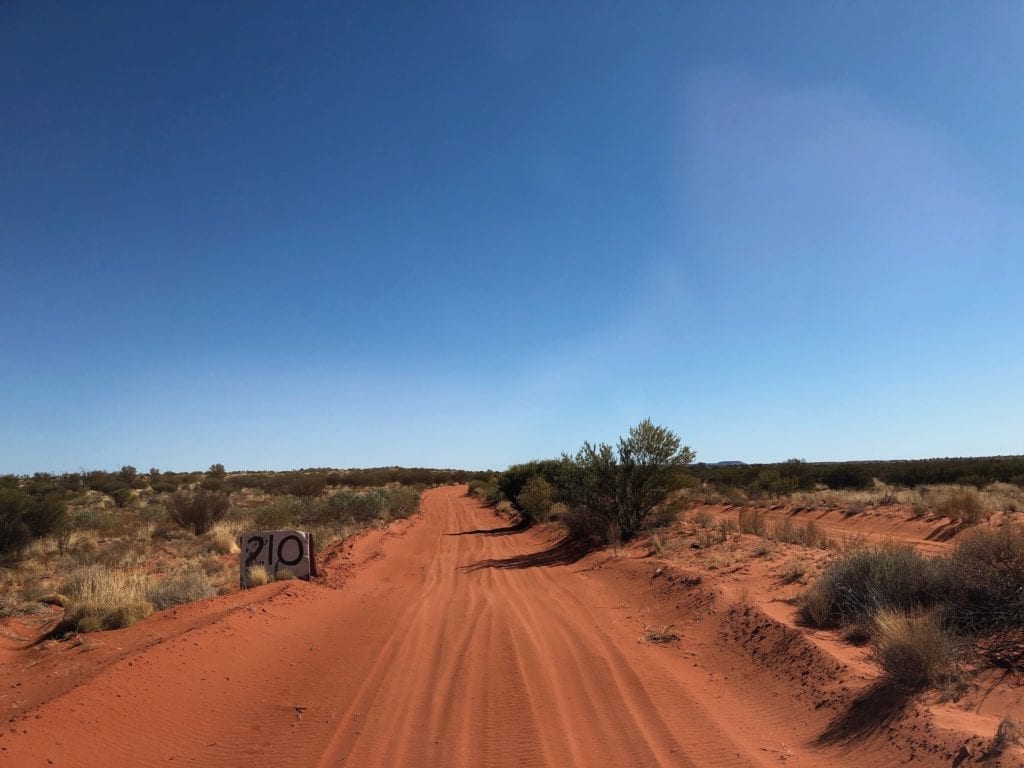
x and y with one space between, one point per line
276 235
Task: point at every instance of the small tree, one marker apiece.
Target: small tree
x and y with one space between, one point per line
198 510
536 498
622 485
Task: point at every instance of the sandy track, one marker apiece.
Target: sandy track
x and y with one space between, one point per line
452 644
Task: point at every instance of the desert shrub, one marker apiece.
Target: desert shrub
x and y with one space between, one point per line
913 650
401 501
732 495
198 510
584 524
485 490
1008 733
221 540
97 598
856 588
986 574
557 511
624 484
184 586
793 571
785 531
847 476
751 521
354 506
301 484
535 500
122 496
282 512
257 575
213 484
962 505
24 517
811 535
855 508
708 537
773 484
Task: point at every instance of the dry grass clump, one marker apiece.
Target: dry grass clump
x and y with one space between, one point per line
752 521
222 540
257 576
808 535
858 587
657 545
793 571
96 598
962 505
913 650
183 586
1009 733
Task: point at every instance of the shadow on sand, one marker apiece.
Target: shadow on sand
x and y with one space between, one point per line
872 711
564 552
519 527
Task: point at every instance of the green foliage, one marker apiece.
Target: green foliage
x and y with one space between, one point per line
536 498
773 484
513 480
24 517
122 496
855 589
197 511
857 475
486 489
622 485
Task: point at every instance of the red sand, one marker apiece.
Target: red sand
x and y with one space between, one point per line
437 643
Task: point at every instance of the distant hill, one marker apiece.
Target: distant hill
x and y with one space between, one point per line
725 464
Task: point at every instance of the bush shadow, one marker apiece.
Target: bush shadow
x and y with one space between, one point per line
872 711
564 552
519 527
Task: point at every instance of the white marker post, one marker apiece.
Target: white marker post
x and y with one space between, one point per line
276 551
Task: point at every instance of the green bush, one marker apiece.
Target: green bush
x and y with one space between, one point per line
122 497
857 588
198 510
585 524
536 498
624 484
24 517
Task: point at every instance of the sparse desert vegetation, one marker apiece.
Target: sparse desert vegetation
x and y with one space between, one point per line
109 548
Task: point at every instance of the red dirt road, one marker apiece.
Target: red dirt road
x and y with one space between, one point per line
437 643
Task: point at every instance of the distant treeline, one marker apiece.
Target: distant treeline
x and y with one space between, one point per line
796 474
302 482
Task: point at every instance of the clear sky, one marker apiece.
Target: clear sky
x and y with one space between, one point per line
276 235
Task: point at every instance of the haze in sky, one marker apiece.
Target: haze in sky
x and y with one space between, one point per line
276 235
